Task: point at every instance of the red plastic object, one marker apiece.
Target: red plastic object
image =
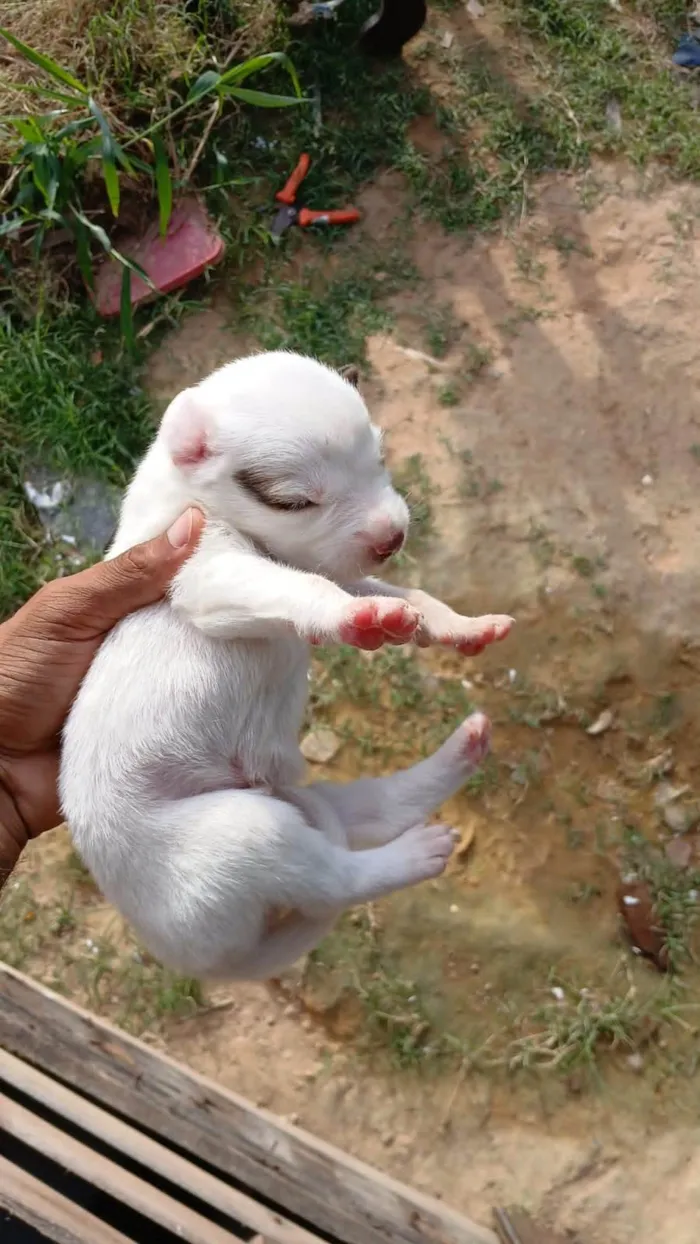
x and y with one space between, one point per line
190 245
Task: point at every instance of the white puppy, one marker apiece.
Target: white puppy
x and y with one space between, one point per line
181 762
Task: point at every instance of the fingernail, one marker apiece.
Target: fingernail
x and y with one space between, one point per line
181 530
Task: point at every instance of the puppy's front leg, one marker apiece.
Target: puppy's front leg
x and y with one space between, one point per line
235 593
439 624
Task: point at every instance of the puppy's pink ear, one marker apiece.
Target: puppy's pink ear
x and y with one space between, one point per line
186 430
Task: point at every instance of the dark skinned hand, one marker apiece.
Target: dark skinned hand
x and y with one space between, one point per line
45 651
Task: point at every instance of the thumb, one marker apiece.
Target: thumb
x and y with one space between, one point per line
95 599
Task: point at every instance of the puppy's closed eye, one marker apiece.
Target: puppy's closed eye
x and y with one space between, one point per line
264 491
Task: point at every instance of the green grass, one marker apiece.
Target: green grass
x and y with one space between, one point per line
53 940
59 405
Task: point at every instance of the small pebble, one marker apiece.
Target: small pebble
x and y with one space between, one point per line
647 481
320 746
635 1062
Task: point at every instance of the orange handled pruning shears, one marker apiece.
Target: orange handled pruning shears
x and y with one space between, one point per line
290 214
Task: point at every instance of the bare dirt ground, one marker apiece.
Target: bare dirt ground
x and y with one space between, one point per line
565 459
560 432
538 386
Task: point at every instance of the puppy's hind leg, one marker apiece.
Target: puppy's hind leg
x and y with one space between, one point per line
293 936
374 811
235 858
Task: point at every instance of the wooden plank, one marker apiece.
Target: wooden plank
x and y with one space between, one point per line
57 1218
292 1169
514 1226
154 1156
106 1175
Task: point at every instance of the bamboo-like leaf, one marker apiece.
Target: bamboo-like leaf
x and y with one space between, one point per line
164 185
109 145
105 242
10 225
111 179
109 156
238 73
263 99
57 72
205 83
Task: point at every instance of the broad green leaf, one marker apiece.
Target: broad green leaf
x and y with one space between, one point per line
238 73
111 178
11 225
109 145
28 128
74 127
164 185
46 92
43 62
96 230
105 242
205 83
262 99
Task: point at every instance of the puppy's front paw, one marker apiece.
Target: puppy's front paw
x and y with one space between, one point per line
369 624
468 636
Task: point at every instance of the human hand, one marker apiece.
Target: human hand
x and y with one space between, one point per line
45 651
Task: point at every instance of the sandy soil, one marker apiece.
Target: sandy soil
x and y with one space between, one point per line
567 465
561 431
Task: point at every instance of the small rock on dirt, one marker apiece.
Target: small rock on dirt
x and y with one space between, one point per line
679 818
602 723
320 746
679 851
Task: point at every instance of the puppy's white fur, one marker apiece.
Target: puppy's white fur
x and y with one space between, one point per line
180 764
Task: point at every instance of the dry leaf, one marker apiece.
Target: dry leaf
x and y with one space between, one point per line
466 842
636 907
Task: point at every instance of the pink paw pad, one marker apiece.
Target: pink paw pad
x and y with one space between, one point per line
373 623
484 631
475 739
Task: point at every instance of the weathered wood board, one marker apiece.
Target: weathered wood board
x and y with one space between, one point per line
272 1181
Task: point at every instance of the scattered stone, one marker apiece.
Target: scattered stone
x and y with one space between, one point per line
635 1062
601 723
320 746
679 818
666 793
659 766
613 116
447 39
647 481
679 851
388 1139
610 791
475 9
